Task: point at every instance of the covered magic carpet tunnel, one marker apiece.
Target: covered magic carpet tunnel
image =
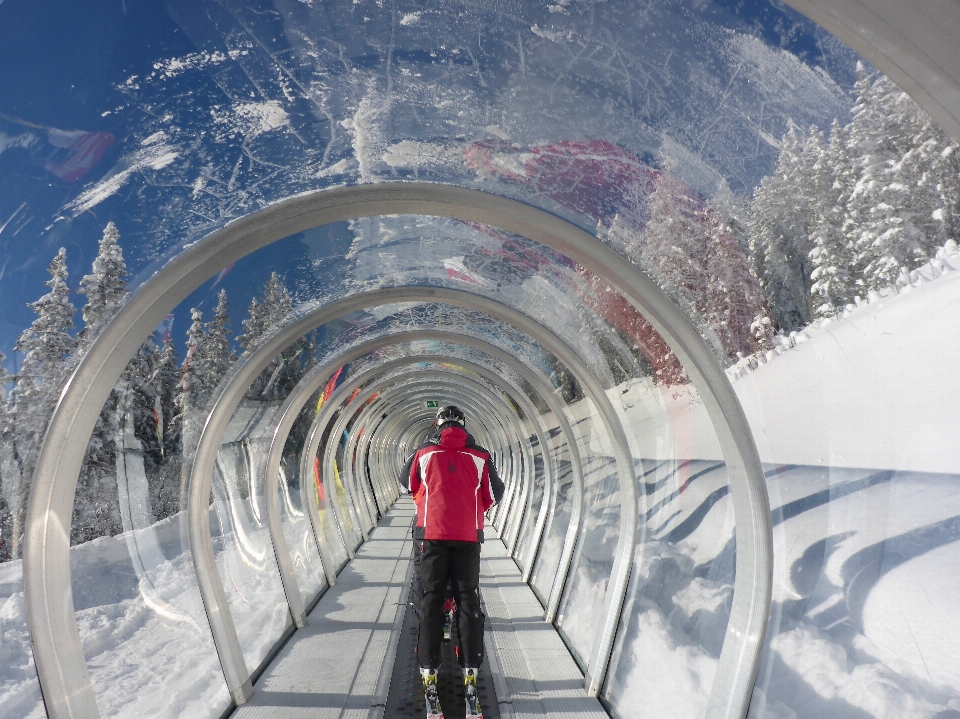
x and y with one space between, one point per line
688 267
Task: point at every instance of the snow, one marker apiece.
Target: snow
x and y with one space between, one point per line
23 140
816 403
262 117
19 686
865 495
684 673
866 581
551 35
144 660
582 609
138 607
903 619
906 344
840 688
154 154
174 66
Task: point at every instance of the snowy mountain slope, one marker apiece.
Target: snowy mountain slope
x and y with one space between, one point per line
857 393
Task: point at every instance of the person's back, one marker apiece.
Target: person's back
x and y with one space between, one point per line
455 484
450 481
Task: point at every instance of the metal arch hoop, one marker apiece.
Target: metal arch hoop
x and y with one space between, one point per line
374 408
516 394
58 653
546 393
317 429
475 396
339 427
234 386
450 337
377 373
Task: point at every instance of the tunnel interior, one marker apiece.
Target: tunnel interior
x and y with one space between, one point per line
687 267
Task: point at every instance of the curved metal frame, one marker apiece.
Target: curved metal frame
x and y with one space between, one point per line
317 428
235 387
416 376
331 405
546 393
58 652
528 408
211 588
377 408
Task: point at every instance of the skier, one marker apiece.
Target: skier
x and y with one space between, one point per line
453 481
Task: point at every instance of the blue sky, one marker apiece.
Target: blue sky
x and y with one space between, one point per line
192 112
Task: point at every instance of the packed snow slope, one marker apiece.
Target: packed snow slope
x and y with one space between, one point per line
856 393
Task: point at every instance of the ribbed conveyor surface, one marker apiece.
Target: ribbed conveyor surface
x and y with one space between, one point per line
355 658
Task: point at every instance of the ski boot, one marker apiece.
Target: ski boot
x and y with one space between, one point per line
431 694
472 693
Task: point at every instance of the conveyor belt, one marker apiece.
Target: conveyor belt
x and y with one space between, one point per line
338 666
406 690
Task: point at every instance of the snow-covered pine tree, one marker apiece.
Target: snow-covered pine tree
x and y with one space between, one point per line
277 300
105 287
734 299
905 202
672 247
265 316
6 519
4 403
196 375
833 256
886 236
168 379
47 343
878 201
165 423
944 171
192 395
96 510
139 398
778 222
255 326
219 354
48 349
695 255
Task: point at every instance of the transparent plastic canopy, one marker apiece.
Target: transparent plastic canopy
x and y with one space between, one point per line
797 211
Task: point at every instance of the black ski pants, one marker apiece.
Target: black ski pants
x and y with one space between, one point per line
416 583
440 562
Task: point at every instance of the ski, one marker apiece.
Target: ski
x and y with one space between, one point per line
431 693
471 694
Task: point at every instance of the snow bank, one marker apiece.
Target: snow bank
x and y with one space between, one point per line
581 612
147 640
877 388
19 686
681 589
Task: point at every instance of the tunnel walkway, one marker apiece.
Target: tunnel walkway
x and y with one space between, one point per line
343 663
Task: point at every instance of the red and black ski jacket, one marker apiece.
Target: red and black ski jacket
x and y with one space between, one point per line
453 482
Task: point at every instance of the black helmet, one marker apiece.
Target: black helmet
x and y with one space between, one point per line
450 415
